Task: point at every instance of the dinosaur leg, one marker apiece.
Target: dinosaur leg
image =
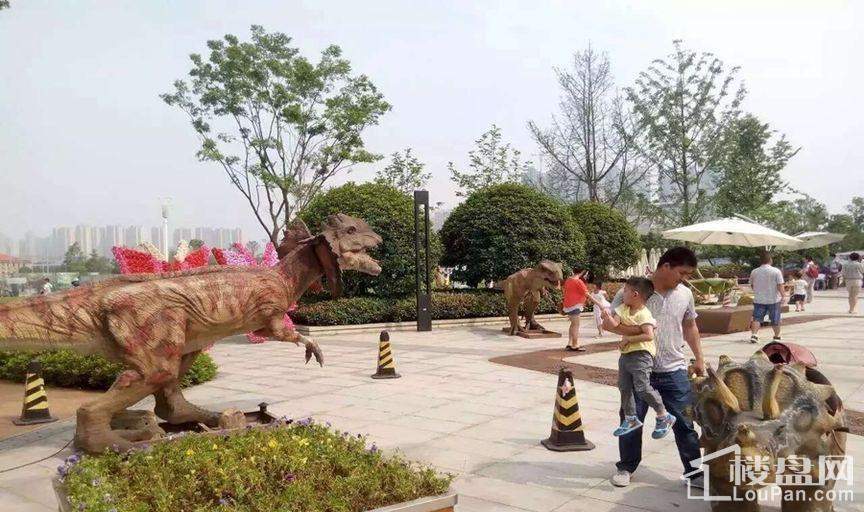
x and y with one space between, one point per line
512 307
173 407
93 433
279 331
531 303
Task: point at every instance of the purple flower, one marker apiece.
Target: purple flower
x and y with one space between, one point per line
81 506
62 470
223 501
112 510
359 436
289 478
329 424
305 422
373 448
73 459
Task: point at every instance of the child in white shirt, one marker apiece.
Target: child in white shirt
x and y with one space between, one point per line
601 302
799 291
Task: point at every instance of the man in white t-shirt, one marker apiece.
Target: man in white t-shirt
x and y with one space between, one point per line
768 293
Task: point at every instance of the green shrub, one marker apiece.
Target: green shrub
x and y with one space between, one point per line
610 241
69 369
295 466
445 305
391 214
501 229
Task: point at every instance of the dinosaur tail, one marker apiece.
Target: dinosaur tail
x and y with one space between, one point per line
61 320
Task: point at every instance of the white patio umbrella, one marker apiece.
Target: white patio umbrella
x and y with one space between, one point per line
731 231
813 239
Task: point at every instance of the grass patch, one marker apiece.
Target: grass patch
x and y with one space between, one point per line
69 369
290 466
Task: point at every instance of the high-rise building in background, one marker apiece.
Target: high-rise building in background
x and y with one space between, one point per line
52 249
133 236
181 234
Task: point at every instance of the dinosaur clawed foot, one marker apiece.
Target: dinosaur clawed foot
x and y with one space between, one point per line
312 349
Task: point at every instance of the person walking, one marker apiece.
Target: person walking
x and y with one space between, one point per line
46 287
673 308
573 302
769 290
853 273
810 271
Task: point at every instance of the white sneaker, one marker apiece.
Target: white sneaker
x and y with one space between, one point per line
621 478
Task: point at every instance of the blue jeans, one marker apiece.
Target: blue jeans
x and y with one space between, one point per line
674 389
770 310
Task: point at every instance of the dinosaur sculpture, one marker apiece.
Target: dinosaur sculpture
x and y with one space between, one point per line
156 324
771 411
525 286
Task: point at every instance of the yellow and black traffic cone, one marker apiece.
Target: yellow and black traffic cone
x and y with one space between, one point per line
35 408
386 363
567 432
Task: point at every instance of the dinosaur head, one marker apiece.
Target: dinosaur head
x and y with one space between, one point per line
346 242
547 274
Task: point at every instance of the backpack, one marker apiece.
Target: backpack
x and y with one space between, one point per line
813 271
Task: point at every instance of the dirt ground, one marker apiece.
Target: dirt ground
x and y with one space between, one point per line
62 403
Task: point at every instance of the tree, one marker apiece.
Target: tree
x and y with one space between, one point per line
74 260
4 4
253 246
685 104
749 167
856 210
793 216
503 228
279 125
98 264
195 244
610 241
492 162
404 172
390 213
591 144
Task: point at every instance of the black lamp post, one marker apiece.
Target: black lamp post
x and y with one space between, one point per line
424 290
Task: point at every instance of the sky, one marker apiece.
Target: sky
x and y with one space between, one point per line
85 139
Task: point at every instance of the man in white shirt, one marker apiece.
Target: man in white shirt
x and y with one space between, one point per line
768 293
673 309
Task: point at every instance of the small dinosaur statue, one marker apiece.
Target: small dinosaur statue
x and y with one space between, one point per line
156 324
771 411
525 286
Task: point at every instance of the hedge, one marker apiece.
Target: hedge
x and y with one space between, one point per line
503 228
449 305
611 242
68 369
390 213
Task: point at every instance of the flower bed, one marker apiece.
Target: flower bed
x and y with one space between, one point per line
287 466
455 304
69 369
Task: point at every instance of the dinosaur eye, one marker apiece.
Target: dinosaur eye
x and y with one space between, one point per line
351 230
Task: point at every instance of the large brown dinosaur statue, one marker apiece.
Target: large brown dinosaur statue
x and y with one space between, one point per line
772 411
156 324
525 286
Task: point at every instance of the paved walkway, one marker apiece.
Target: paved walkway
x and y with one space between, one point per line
457 411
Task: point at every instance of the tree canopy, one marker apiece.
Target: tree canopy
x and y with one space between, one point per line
404 172
491 162
279 125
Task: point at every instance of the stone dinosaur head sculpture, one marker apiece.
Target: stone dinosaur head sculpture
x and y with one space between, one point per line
547 274
343 244
769 410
